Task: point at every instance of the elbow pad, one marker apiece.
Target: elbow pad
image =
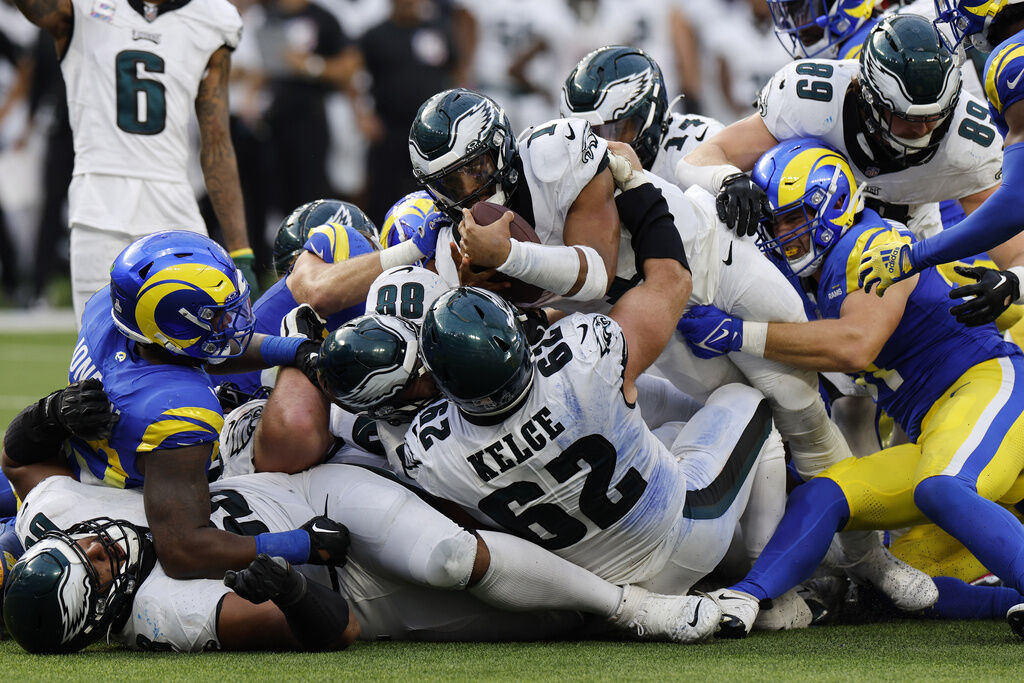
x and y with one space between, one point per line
556 268
645 214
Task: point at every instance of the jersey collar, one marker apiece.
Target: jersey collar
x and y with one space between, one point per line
156 10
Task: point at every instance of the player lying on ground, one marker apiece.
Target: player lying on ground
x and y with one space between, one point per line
955 390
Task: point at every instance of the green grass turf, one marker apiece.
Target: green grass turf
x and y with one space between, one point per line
911 650
33 365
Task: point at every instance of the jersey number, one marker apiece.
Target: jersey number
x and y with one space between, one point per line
562 529
409 299
972 130
814 90
141 102
236 509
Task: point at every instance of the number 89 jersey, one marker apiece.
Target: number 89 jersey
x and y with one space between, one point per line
132 73
814 98
574 469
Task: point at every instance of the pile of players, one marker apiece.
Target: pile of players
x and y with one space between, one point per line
397 451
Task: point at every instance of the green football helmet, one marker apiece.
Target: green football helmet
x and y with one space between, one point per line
474 345
906 72
294 229
620 92
54 601
366 363
463 150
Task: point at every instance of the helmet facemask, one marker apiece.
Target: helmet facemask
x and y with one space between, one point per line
817 28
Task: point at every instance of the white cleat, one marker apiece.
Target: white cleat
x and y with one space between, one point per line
676 618
909 589
788 611
739 612
1015 618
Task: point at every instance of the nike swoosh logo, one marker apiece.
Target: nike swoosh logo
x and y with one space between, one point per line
728 258
571 135
722 334
320 530
700 137
1013 84
966 383
729 597
696 614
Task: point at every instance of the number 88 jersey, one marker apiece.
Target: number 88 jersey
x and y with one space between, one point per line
574 469
819 98
132 72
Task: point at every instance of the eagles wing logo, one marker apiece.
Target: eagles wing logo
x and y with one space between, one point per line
471 125
626 93
74 604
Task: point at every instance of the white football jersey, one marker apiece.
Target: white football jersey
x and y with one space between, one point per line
574 469
812 98
684 133
559 158
132 73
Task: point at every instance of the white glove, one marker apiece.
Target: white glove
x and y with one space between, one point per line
625 176
303 321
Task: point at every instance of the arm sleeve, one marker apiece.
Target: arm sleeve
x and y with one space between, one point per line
998 219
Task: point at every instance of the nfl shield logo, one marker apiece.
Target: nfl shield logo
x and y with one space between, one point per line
149 11
872 171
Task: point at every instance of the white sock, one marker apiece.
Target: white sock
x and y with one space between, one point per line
857 544
524 577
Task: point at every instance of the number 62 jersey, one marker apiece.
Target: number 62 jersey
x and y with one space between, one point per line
132 73
573 469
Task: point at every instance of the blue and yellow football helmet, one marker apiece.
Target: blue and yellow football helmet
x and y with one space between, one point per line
969 21
808 176
182 291
294 229
817 28
410 215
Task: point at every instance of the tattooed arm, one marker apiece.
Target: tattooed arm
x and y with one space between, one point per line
55 16
216 152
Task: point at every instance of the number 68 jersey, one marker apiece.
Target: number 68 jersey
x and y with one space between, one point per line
132 73
573 469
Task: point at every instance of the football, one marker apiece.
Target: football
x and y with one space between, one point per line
520 293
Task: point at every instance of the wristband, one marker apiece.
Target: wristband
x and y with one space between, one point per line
402 254
315 66
292 545
556 268
755 338
280 350
708 177
241 253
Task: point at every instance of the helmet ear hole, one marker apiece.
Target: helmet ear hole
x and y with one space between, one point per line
144 271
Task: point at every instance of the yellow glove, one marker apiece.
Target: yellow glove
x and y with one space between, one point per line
885 264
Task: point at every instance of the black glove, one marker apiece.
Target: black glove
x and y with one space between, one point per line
995 292
82 409
303 321
266 578
741 204
330 537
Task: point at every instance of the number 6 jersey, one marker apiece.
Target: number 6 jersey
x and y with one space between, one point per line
132 73
573 469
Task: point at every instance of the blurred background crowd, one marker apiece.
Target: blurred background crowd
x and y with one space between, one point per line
323 93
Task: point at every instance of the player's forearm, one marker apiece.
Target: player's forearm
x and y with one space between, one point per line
994 222
220 171
52 15
202 552
333 287
821 345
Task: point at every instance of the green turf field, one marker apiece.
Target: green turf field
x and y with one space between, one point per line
32 365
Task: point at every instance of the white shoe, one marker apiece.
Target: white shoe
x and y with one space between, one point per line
909 589
788 611
677 618
739 612
1015 618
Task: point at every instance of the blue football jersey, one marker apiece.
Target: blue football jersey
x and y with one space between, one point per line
852 47
161 406
928 350
1004 73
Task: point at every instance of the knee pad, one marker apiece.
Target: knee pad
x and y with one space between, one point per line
449 563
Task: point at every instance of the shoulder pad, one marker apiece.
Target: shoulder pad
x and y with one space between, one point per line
562 147
805 97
